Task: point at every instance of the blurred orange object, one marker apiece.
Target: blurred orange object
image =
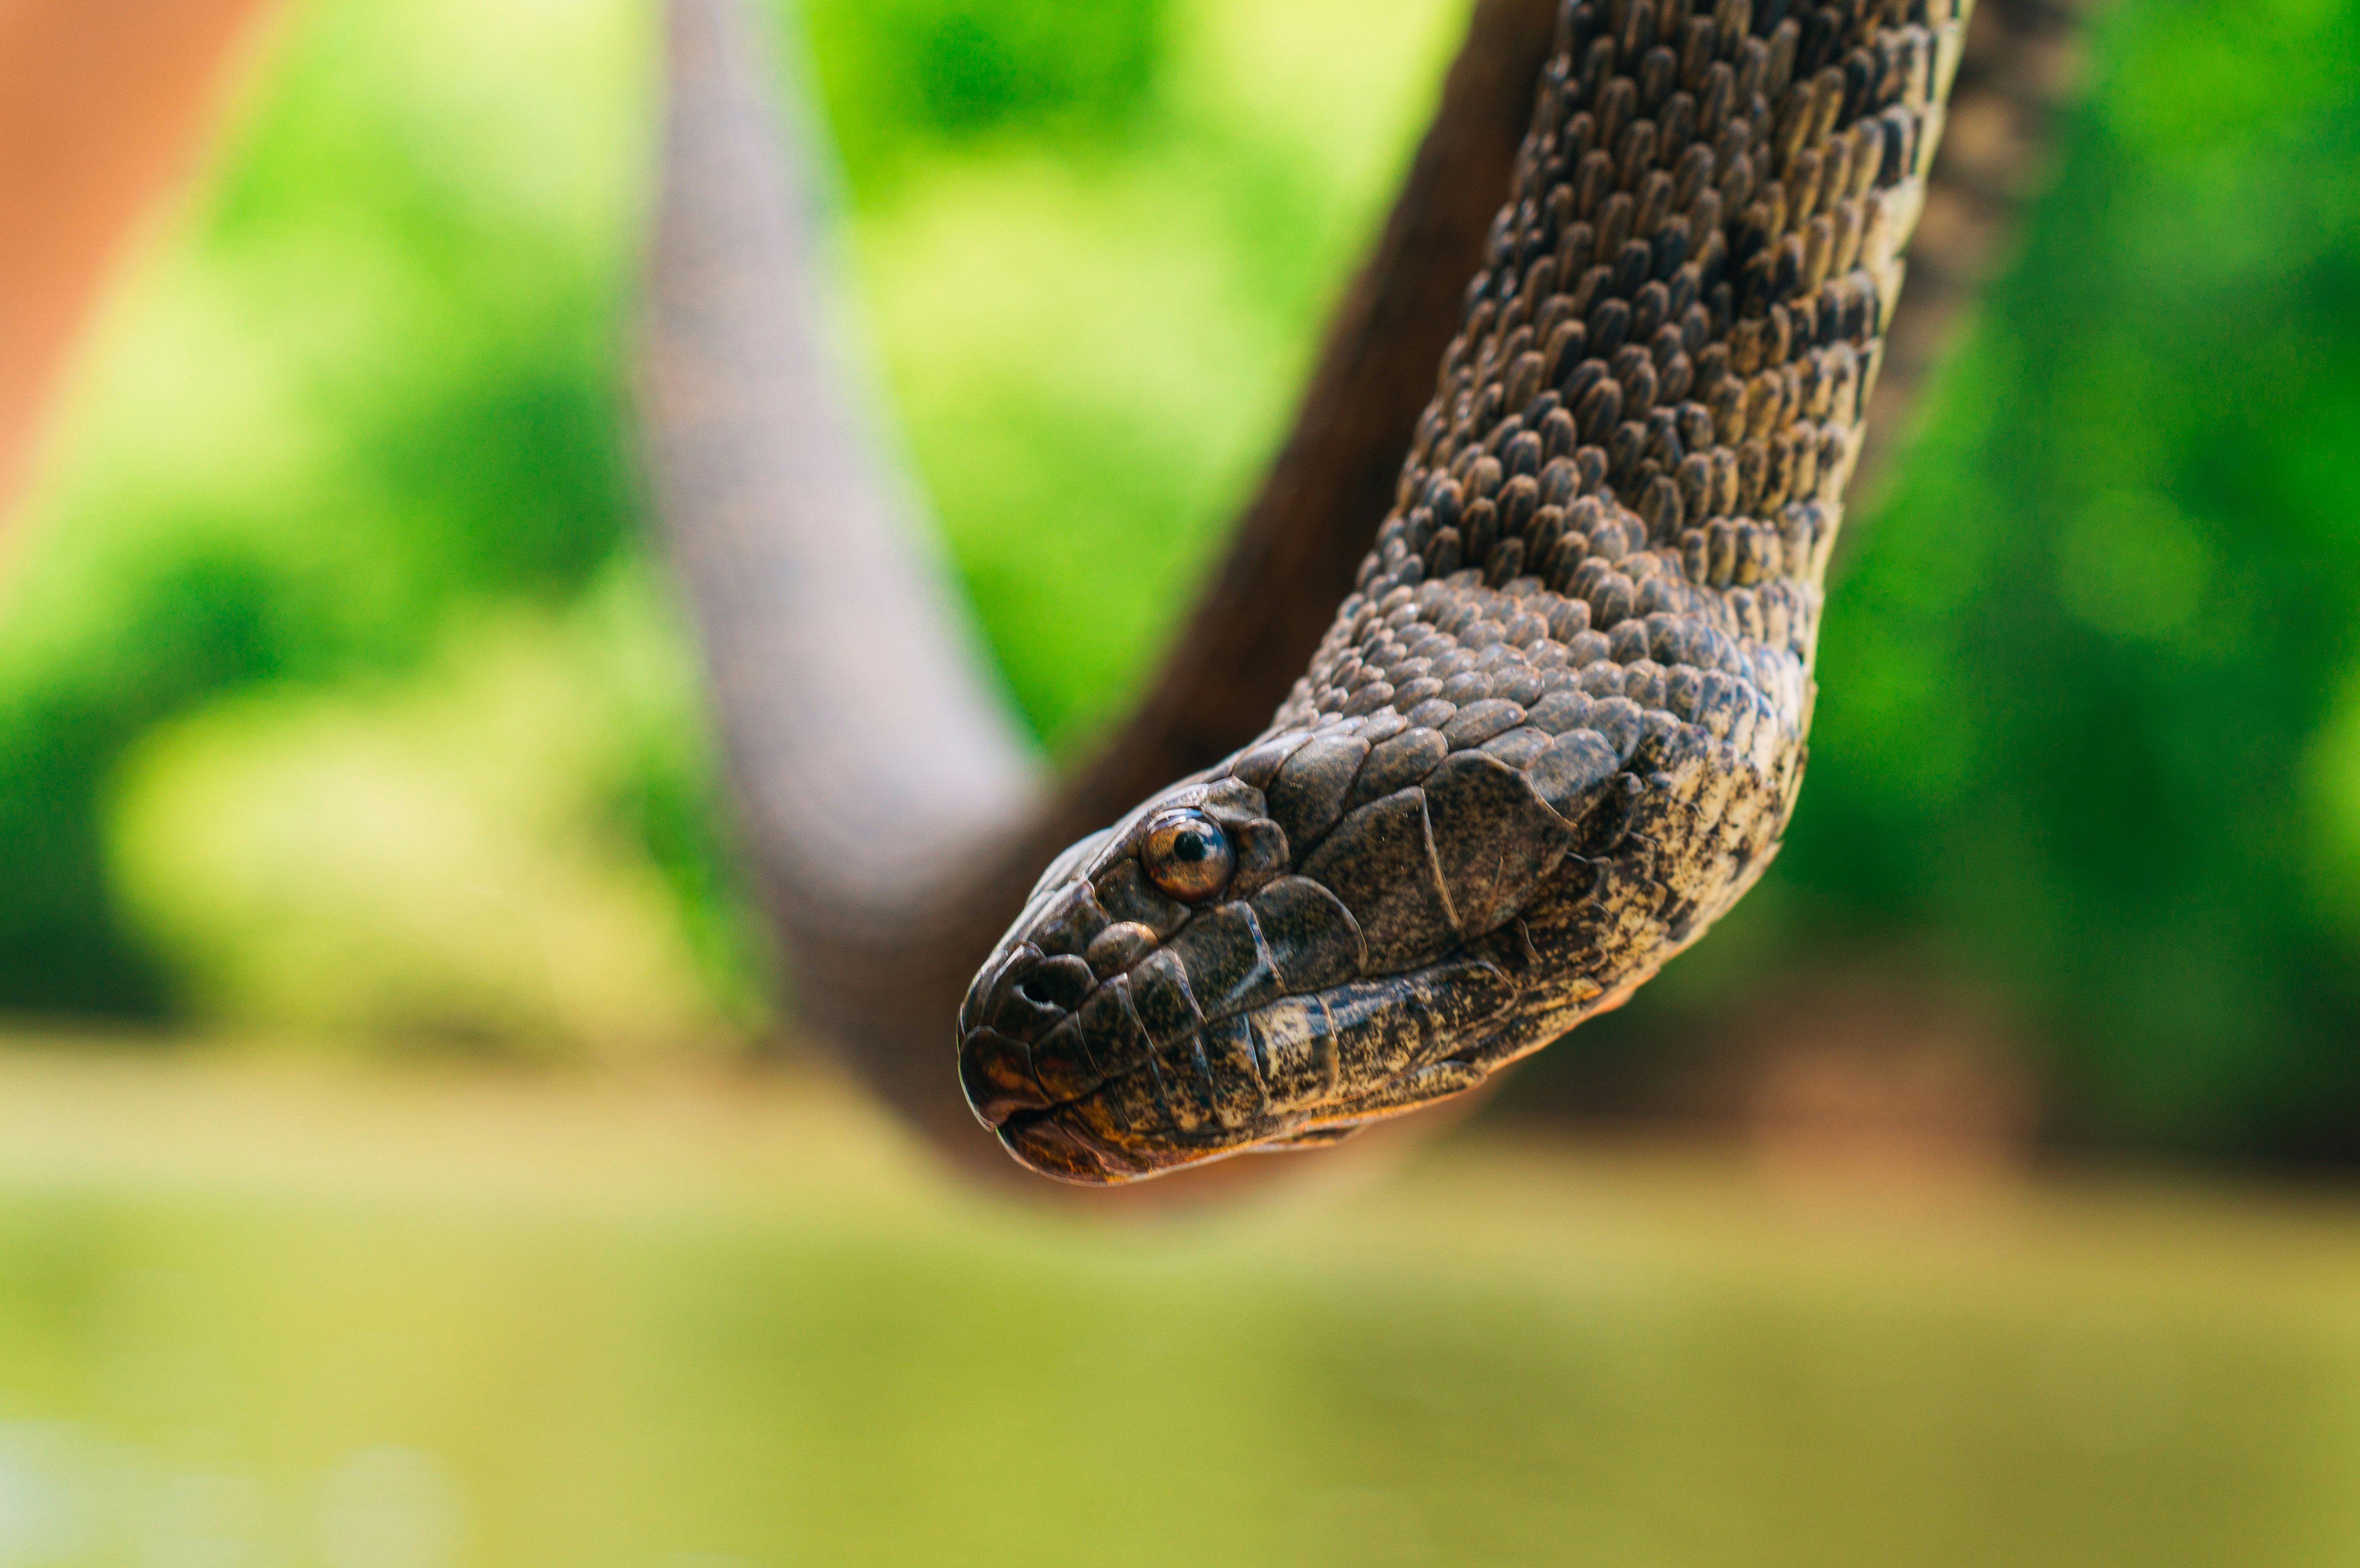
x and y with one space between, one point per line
104 107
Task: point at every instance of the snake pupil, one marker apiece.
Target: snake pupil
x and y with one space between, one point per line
1187 856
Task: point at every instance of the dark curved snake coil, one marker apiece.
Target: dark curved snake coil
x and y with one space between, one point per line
1559 727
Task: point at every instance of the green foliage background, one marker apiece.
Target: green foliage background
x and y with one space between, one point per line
2090 729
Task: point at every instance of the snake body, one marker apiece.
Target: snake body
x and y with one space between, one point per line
1558 726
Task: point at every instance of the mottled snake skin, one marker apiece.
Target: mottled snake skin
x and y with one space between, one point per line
1559 727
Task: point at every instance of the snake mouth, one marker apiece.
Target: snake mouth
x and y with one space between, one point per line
1097 1098
1045 1142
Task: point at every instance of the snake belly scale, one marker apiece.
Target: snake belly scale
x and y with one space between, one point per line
1559 725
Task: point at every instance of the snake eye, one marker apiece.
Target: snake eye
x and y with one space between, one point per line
1187 856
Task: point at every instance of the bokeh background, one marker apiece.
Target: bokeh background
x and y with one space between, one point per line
347 714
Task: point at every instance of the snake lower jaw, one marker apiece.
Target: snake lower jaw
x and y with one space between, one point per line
1069 1145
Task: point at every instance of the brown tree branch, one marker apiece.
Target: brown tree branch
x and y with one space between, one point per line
868 745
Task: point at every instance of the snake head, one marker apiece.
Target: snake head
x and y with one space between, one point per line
1313 935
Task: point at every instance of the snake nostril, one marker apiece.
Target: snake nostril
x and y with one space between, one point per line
1059 983
1019 1016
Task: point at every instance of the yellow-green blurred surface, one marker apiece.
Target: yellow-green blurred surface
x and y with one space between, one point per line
257 1309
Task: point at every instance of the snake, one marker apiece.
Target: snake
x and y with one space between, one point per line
1559 725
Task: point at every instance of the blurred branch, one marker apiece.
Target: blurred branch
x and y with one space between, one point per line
871 747
105 106
880 777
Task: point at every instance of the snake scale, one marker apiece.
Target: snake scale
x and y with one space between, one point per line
1559 724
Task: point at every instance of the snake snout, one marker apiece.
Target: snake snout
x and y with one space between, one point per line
1013 1004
